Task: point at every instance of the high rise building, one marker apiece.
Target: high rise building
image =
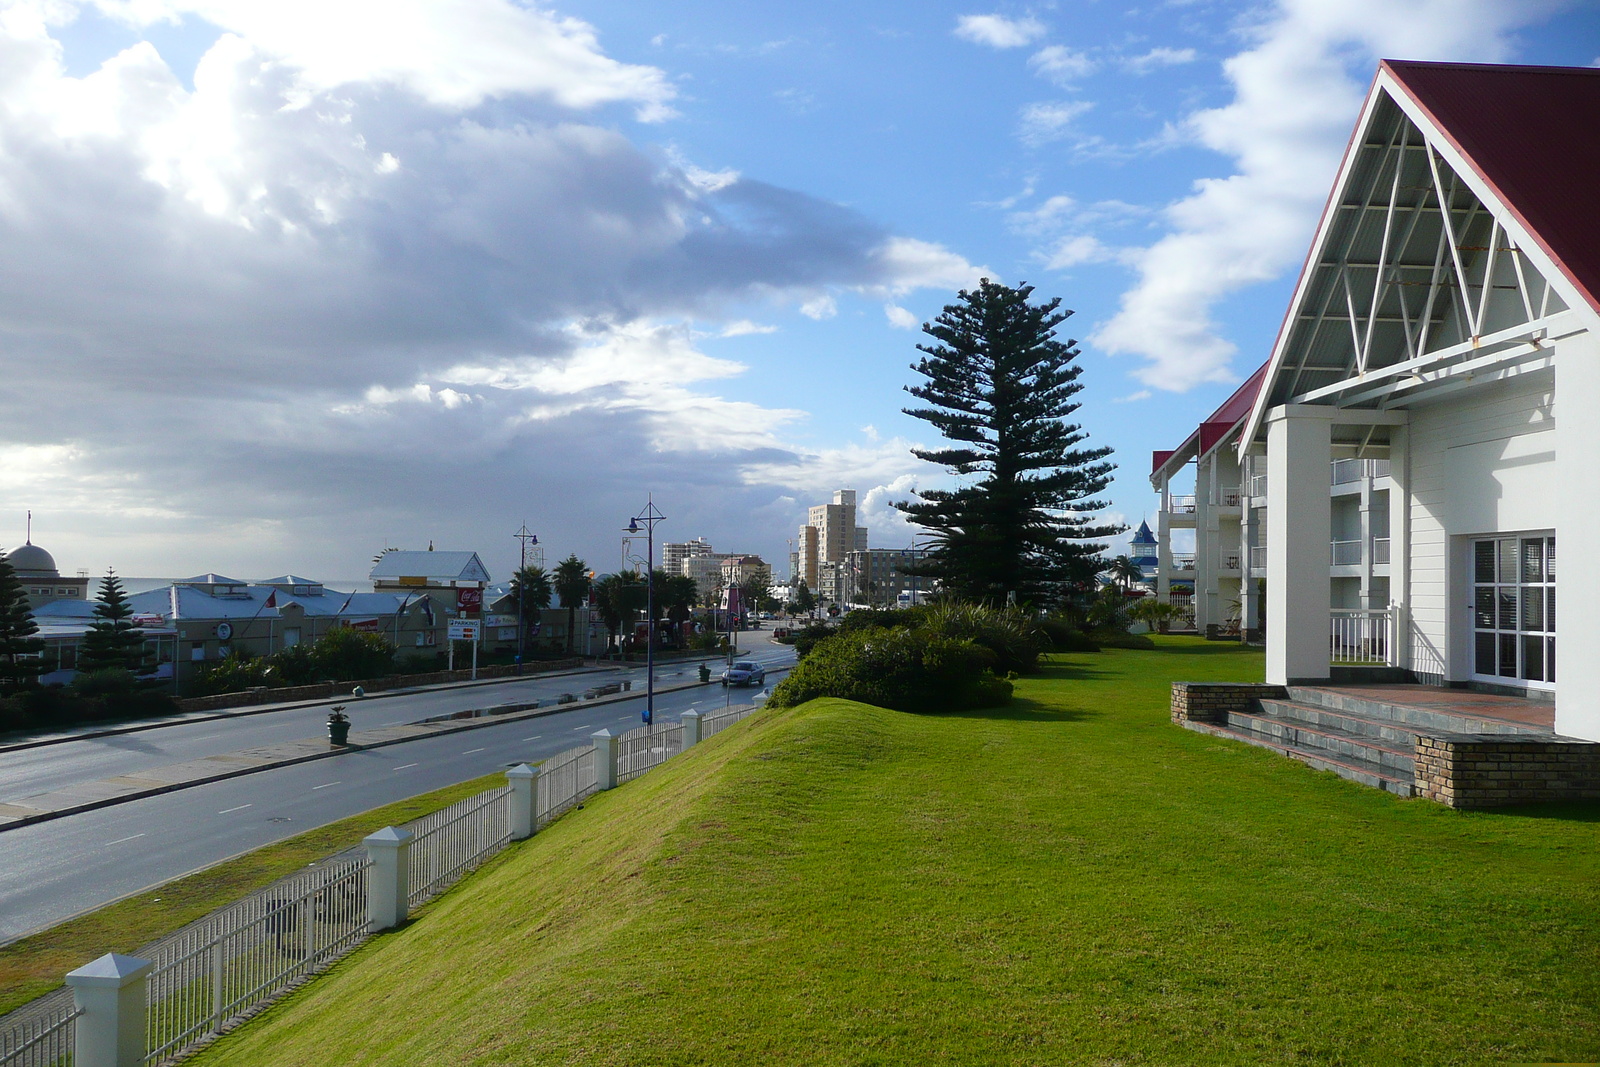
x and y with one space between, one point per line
826 541
674 553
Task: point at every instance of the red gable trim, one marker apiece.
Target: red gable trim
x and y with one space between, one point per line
1158 459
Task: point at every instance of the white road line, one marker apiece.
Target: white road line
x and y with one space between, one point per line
470 751
575 729
535 737
241 807
325 785
403 766
120 840
205 737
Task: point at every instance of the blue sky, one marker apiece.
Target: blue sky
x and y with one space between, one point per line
286 284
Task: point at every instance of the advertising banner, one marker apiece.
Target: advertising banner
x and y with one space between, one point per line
469 601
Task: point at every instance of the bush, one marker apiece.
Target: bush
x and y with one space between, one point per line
1065 636
1119 639
909 670
236 671
807 637
1010 633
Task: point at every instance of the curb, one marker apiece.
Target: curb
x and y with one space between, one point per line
522 711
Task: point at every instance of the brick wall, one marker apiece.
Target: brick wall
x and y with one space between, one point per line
329 690
1492 770
1211 701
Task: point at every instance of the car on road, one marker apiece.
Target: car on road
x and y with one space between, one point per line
745 673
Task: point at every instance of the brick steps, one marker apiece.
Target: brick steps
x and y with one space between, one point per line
1421 719
1351 767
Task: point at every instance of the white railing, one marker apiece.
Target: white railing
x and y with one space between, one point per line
1228 497
645 747
1346 471
719 721
1345 553
1257 484
1183 562
1380 550
1230 561
232 960
1181 505
1258 557
564 781
45 1040
1362 636
452 841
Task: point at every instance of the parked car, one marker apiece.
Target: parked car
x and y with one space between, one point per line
745 673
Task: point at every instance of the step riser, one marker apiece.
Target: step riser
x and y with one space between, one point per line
1382 730
1423 719
1291 735
1399 785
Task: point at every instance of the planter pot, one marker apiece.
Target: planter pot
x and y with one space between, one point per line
338 733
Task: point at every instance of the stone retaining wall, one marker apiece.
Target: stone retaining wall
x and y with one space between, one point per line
330 690
1212 701
1493 770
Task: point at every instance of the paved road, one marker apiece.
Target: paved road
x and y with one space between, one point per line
31 772
53 870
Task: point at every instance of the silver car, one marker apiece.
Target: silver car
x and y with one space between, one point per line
745 673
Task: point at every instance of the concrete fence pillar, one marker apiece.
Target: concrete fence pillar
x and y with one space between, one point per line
524 800
605 759
389 878
113 994
691 728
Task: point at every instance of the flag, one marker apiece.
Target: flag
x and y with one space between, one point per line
272 600
427 608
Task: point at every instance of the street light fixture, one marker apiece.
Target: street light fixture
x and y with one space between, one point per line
649 518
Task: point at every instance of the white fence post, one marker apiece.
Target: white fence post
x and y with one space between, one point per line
605 759
113 994
389 880
691 728
524 791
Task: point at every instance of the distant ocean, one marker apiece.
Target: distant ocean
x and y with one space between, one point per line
141 585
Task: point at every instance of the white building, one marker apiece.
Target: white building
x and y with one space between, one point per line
826 540
1447 321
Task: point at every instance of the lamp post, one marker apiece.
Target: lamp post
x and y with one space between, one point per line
525 536
649 518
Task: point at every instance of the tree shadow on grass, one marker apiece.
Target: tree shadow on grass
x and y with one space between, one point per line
1022 709
1560 810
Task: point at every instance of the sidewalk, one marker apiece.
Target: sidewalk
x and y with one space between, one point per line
121 789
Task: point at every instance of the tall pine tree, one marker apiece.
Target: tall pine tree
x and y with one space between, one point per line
112 641
19 648
999 388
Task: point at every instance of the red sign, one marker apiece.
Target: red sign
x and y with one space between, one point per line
469 601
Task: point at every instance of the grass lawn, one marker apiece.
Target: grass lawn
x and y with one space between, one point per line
1069 880
35 965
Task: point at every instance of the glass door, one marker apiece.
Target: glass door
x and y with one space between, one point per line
1514 609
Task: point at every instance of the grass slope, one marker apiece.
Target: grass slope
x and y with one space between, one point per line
1070 880
32 966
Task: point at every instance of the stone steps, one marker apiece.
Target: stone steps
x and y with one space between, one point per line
1422 719
1369 772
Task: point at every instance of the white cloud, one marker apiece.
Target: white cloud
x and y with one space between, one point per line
820 307
1050 120
913 264
1159 57
1133 397
1297 89
900 318
1060 64
997 31
1082 248
744 327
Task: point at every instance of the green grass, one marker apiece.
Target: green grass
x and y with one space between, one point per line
35 965
1069 880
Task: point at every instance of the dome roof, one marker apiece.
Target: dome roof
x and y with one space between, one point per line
31 560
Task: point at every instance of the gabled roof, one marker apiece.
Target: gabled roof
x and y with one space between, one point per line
289 579
210 579
434 566
1212 429
1533 135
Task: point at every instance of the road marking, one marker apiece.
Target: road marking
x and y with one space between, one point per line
205 737
470 751
241 807
403 766
535 737
120 840
575 729
325 785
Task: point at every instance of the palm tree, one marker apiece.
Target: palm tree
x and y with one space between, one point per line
1125 572
572 583
530 588
618 596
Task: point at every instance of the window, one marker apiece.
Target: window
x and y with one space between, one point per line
1514 608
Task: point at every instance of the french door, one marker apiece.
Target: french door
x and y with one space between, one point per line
1514 609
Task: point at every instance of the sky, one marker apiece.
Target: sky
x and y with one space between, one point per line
284 284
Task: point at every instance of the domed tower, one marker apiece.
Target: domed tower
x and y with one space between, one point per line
41 580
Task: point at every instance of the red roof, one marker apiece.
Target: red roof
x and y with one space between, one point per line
1217 424
1533 135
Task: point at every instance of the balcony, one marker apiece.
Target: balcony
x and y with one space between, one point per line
1257 486
1348 553
1258 557
1182 563
1230 562
1227 497
1361 637
1346 471
1380 551
1181 505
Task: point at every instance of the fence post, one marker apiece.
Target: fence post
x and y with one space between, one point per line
389 880
605 759
524 792
113 994
691 728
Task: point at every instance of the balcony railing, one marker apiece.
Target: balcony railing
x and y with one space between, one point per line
1258 486
1346 471
1258 557
1183 563
1380 550
1230 562
1361 637
1346 553
1227 497
1181 505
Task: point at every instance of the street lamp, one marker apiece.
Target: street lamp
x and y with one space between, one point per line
526 537
649 518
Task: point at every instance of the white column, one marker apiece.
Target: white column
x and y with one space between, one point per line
1299 530
1164 544
605 759
691 729
1205 548
1577 536
524 795
1364 522
113 994
389 878
1400 541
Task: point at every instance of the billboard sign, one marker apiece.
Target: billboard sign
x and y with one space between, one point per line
463 629
469 601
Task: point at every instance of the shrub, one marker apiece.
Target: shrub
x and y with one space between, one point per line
1010 633
236 671
1119 639
807 637
345 654
909 670
1065 636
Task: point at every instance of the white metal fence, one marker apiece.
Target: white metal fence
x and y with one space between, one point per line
716 722
564 781
1362 636
647 746
44 1040
222 966
450 842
